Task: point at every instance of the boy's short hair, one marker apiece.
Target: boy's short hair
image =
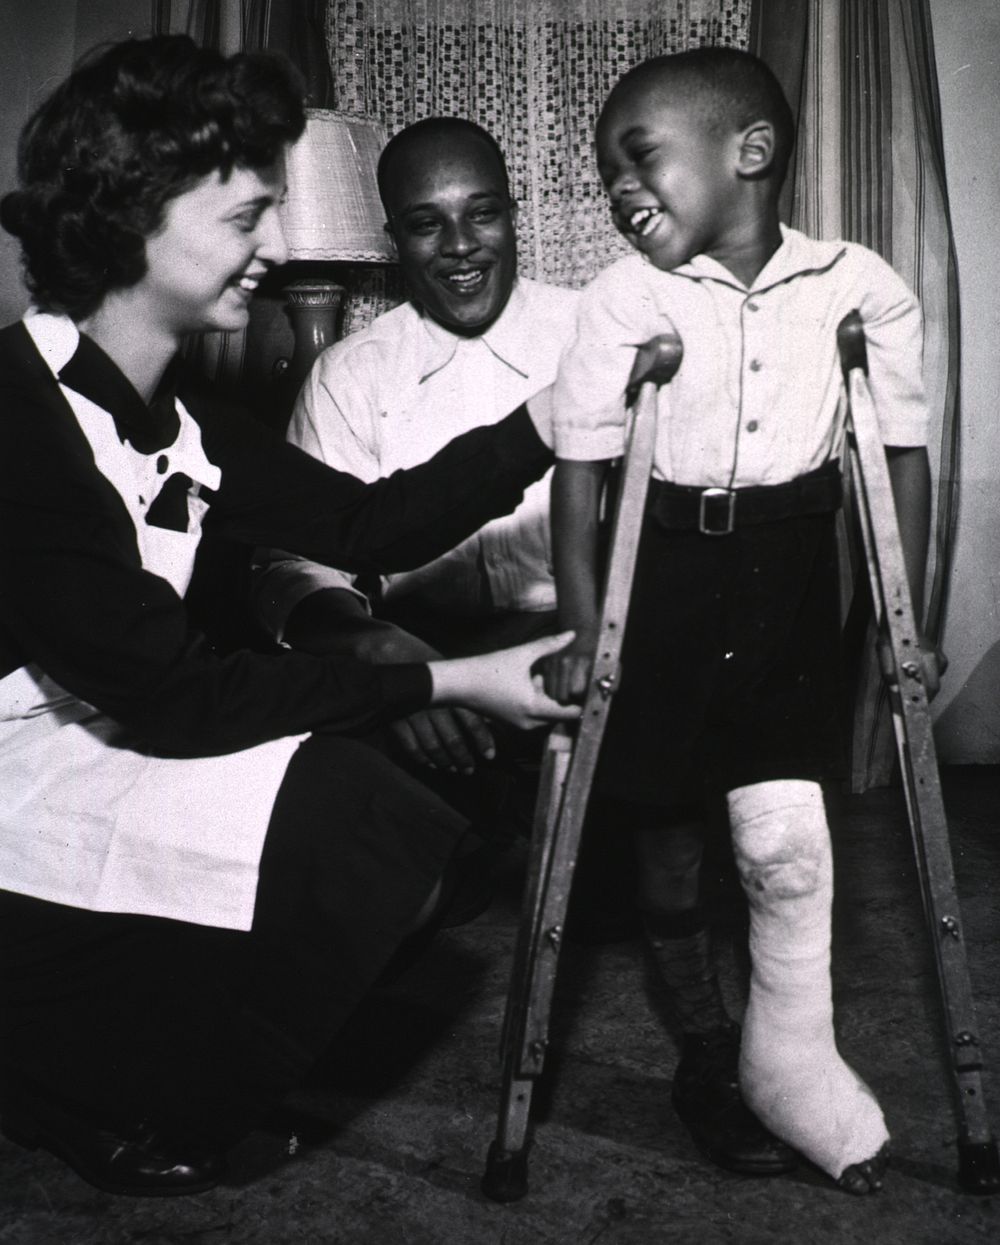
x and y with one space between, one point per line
443 128
134 126
732 88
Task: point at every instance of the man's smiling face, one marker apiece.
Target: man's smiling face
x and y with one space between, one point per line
452 221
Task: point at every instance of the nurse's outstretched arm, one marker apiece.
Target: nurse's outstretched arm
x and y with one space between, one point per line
504 684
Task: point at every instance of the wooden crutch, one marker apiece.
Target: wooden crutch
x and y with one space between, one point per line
978 1162
564 788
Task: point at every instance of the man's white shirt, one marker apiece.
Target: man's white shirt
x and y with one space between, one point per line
392 395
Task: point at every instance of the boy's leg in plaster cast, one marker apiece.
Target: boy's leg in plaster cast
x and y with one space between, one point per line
791 1073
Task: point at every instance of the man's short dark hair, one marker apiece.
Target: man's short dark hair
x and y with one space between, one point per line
732 88
134 126
442 129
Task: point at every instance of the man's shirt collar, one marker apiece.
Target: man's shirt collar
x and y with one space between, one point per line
508 338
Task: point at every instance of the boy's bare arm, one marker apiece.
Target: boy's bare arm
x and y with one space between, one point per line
576 498
909 472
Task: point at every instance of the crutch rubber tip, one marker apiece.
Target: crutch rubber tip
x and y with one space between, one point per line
979 1166
506 1175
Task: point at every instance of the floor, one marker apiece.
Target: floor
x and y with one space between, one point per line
386 1145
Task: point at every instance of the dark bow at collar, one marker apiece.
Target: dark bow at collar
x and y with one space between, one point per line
93 375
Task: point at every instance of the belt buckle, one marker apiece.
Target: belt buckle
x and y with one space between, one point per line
709 495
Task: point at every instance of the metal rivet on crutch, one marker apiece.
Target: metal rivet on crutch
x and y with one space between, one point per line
912 669
554 936
965 1038
606 685
949 925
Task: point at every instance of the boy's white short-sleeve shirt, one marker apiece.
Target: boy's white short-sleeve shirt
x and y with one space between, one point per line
759 396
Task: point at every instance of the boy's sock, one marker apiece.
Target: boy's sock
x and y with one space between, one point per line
680 944
791 1073
706 1092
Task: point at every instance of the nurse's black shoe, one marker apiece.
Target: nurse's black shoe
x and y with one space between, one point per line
139 1161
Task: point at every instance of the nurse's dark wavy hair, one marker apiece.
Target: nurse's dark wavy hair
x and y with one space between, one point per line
134 126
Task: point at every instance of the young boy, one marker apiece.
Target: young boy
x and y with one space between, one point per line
730 656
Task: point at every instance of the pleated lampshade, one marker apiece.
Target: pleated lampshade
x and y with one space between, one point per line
333 211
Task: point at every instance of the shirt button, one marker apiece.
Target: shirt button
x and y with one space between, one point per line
753 307
755 365
162 463
752 426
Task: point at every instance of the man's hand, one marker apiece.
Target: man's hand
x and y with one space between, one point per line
451 739
337 621
443 738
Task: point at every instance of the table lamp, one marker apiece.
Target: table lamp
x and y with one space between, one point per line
332 215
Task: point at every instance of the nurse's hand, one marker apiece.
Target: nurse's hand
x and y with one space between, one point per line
505 684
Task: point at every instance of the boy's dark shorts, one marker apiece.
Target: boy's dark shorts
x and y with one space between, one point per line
730 665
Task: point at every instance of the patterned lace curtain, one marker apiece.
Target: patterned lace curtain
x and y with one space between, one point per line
534 73
870 167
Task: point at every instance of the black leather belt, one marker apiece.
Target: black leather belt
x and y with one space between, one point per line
718 511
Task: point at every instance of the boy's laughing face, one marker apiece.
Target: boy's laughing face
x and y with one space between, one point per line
671 177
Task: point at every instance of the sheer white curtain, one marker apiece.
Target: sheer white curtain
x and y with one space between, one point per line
534 73
870 167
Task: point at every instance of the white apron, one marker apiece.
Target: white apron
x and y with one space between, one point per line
92 825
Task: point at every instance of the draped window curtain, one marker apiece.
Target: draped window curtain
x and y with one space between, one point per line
869 167
869 164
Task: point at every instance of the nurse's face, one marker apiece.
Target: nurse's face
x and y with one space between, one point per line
216 243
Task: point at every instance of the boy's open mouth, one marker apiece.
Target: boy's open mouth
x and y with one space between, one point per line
643 220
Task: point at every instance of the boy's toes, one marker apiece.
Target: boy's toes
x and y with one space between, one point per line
866 1177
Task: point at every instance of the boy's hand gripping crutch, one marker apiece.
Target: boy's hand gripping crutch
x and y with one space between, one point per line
978 1163
564 788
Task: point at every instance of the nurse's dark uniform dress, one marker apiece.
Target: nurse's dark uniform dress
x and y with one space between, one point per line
200 873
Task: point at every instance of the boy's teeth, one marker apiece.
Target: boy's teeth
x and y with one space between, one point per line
465 278
642 220
248 283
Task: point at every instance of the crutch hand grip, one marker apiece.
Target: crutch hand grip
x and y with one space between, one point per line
656 363
851 343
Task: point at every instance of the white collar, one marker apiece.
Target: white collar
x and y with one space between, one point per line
508 338
797 254
56 337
